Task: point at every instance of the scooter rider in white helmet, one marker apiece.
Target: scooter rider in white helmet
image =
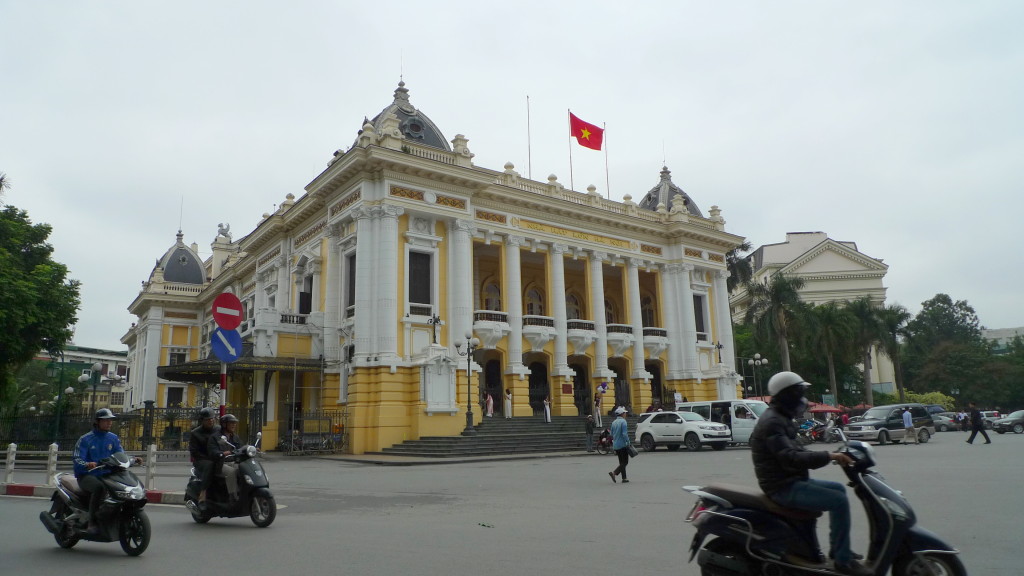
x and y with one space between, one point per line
782 466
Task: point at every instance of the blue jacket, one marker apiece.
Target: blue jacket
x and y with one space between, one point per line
93 447
620 433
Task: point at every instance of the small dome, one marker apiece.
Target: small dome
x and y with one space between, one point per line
181 264
414 124
663 194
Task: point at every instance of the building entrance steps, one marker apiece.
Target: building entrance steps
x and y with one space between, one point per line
499 436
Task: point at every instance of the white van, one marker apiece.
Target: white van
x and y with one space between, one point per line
739 415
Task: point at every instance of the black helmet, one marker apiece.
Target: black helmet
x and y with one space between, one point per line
105 414
206 413
228 418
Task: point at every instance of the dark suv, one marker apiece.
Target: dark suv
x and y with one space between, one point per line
884 424
1012 422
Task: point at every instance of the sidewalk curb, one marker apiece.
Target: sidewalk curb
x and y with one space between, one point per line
33 490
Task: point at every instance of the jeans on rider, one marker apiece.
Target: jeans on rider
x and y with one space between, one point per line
822 496
96 489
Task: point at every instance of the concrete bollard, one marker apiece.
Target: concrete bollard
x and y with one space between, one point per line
151 467
51 465
12 453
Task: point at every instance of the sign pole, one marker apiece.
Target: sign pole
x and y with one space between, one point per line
223 386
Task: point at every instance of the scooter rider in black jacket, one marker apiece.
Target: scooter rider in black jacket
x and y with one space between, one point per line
198 449
782 466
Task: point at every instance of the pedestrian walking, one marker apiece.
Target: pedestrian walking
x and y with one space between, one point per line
908 427
977 425
490 405
620 443
597 410
588 427
508 403
547 409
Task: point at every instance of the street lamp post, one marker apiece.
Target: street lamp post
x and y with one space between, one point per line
434 321
61 390
96 367
756 362
471 344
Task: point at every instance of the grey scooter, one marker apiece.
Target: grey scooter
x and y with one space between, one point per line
254 497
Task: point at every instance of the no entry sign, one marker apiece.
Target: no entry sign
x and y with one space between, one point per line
227 311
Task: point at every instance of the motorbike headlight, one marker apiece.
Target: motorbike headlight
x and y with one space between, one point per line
248 480
251 451
133 493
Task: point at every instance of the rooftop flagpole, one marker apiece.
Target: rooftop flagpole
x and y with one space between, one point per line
569 118
607 180
529 154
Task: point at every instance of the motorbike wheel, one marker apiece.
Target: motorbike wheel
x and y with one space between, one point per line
262 511
65 537
929 565
135 533
733 553
199 517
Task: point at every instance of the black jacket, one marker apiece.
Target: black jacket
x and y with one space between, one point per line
199 442
778 459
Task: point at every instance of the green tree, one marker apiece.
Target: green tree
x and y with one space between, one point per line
38 302
738 265
940 323
867 334
830 328
774 307
893 322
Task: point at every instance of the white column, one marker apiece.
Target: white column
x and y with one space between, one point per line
387 286
597 315
636 318
670 316
282 298
154 344
724 319
332 304
690 363
460 285
513 304
365 318
314 269
557 262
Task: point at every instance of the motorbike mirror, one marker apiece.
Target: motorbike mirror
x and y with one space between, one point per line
259 436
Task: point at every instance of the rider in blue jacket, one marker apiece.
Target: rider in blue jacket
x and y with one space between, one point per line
90 450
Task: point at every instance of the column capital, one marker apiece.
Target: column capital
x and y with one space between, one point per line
462 225
599 256
391 211
334 231
723 274
363 212
635 262
511 240
674 268
559 248
687 267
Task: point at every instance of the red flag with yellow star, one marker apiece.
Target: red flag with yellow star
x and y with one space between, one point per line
588 135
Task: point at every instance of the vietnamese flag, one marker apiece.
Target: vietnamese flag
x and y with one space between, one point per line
588 135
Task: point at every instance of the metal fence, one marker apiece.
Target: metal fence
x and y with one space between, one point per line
315 431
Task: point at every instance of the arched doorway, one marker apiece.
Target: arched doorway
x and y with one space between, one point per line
539 387
622 394
492 384
581 389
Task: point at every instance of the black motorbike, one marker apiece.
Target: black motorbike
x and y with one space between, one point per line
254 497
752 535
120 518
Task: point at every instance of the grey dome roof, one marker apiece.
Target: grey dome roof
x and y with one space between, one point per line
182 265
414 124
664 193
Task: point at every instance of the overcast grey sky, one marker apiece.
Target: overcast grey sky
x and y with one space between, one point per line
895 125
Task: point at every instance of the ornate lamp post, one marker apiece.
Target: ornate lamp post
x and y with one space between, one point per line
51 371
470 344
434 321
756 362
96 367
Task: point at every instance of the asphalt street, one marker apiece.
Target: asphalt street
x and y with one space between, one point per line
539 516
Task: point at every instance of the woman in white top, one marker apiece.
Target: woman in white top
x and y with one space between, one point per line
508 403
547 409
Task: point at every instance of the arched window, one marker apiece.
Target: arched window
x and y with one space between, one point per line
492 297
534 302
648 313
611 313
572 307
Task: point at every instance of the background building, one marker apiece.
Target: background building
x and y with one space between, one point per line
832 271
359 294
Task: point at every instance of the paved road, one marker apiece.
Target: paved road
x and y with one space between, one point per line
529 517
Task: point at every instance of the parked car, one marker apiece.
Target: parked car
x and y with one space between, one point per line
935 408
944 423
675 429
1012 422
989 417
884 424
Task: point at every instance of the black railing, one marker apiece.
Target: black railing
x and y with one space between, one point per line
539 321
619 329
580 325
656 332
490 316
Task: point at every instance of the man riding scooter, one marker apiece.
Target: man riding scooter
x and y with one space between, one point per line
223 444
782 464
92 448
198 449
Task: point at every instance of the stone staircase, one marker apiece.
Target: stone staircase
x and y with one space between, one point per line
498 436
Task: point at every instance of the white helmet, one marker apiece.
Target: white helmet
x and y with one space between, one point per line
783 380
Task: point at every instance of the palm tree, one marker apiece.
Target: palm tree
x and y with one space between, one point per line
740 270
831 328
5 183
893 320
868 333
774 307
